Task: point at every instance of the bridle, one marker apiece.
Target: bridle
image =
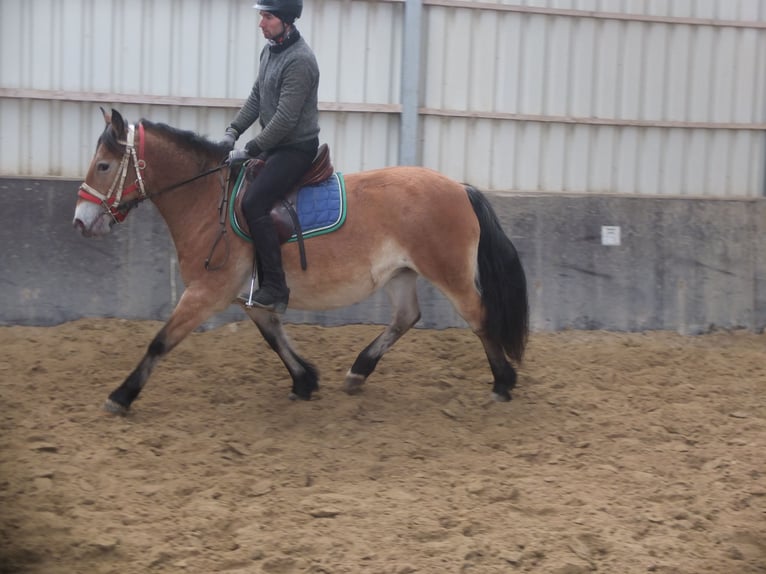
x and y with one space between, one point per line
119 211
111 201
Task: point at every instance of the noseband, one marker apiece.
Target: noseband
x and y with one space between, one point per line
111 201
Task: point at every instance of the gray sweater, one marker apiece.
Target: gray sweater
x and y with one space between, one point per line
283 98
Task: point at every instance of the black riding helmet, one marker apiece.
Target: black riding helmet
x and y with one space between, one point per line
286 10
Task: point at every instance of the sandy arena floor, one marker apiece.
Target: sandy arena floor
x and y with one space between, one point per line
620 453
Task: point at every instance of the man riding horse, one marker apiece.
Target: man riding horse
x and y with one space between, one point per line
284 100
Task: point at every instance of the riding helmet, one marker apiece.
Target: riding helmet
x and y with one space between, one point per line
288 10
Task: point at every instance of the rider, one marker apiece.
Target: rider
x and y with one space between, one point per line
284 99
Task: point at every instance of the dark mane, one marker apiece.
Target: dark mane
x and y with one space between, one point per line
186 139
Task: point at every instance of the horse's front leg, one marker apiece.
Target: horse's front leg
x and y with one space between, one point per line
305 375
192 309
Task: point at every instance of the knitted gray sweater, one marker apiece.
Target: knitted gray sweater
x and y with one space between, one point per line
283 98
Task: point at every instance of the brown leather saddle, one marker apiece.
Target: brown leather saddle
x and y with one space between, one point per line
283 213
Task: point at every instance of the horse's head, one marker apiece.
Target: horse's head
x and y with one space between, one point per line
104 193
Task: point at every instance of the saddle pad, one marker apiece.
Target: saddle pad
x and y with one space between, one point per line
320 208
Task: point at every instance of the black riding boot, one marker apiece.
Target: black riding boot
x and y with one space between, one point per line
272 293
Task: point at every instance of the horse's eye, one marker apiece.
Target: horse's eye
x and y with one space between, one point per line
102 166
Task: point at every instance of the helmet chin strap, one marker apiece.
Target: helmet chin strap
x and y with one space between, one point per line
285 31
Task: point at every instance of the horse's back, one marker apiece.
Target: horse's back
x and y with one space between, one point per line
410 202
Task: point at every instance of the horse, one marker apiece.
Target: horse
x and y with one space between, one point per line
401 222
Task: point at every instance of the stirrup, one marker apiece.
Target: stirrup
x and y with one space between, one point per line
279 306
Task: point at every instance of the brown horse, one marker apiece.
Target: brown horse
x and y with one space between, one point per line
401 222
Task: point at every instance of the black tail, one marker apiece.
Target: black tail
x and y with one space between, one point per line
502 281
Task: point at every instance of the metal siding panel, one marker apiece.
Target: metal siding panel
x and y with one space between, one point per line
581 94
632 54
502 152
750 9
360 141
532 75
558 67
606 70
157 47
11 46
508 67
10 137
680 8
71 54
601 160
678 55
528 154
697 161
553 157
543 64
37 43
102 66
186 51
456 61
745 104
722 80
383 54
482 53
653 72
433 63
702 56
478 150
452 142
738 176
577 164
352 55
717 164
704 9
651 149
671 176
626 165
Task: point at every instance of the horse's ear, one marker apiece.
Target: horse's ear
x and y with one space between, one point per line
118 124
107 117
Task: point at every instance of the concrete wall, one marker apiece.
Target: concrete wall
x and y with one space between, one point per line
683 264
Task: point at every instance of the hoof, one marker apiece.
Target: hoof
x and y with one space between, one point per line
115 408
501 397
353 383
293 396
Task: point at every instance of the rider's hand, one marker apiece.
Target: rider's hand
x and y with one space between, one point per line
229 138
253 149
237 156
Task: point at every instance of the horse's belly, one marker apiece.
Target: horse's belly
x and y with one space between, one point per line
308 297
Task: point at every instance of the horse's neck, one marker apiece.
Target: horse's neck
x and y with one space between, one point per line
188 210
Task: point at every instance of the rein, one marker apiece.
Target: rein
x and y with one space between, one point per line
130 204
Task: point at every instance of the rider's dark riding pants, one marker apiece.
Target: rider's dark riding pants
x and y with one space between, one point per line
284 167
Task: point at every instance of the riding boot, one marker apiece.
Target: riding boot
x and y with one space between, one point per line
272 293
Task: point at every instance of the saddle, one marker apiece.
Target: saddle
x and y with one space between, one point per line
283 213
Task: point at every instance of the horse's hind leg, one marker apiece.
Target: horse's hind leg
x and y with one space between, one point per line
191 311
305 375
469 306
402 292
502 370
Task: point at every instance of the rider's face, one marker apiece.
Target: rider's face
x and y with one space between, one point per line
270 25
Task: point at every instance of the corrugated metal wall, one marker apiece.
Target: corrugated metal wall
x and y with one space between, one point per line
623 96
